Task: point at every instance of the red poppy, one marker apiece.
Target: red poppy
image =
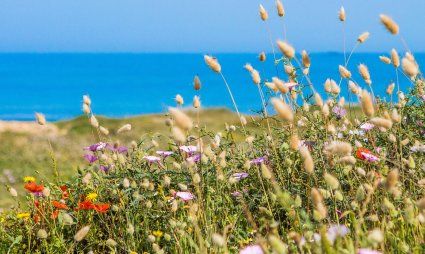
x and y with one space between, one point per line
33 187
64 190
55 214
59 205
101 208
85 205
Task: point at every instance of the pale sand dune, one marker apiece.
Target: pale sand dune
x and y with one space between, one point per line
28 128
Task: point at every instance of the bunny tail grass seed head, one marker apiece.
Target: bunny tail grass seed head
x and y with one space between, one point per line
179 99
248 67
341 14
262 57
353 87
178 134
305 59
124 128
367 104
409 66
318 100
344 72
196 102
87 100
282 109
389 24
263 13
94 122
86 109
181 119
364 72
382 122
395 59
385 60
197 83
286 49
212 62
390 88
363 37
41 119
81 233
280 85
308 162
280 8
104 130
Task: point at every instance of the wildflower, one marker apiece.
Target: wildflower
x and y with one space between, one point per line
335 231
365 154
81 233
152 159
339 112
252 249
189 149
194 158
59 205
240 176
184 195
367 126
29 179
164 154
259 160
91 196
157 233
23 215
90 158
33 187
96 147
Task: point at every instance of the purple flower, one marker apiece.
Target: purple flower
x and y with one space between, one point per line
367 126
291 85
252 249
194 158
105 168
259 160
370 157
164 154
339 112
236 194
240 176
152 159
96 147
335 231
368 251
90 158
189 149
119 149
184 195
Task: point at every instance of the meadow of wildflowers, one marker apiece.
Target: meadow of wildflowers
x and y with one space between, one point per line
309 175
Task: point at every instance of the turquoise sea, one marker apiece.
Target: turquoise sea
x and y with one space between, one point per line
131 84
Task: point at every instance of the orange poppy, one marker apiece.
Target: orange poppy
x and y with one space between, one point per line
85 205
64 190
101 208
55 214
33 187
360 151
59 205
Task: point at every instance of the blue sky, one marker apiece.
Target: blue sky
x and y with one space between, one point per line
199 25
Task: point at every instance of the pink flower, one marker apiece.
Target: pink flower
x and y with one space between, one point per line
96 147
164 154
90 158
259 160
240 176
195 158
236 194
189 149
152 159
184 195
368 251
370 157
335 231
291 85
252 249
367 126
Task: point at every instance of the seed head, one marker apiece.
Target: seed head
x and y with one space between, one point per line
286 49
280 9
410 67
81 233
367 104
263 13
363 37
196 102
94 122
212 62
87 100
196 83
308 162
41 119
305 59
179 99
364 72
344 72
181 119
124 128
282 109
318 100
341 14
42 234
395 59
390 88
382 122
262 57
385 59
389 24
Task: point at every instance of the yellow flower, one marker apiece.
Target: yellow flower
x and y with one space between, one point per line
91 196
157 233
23 215
29 179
